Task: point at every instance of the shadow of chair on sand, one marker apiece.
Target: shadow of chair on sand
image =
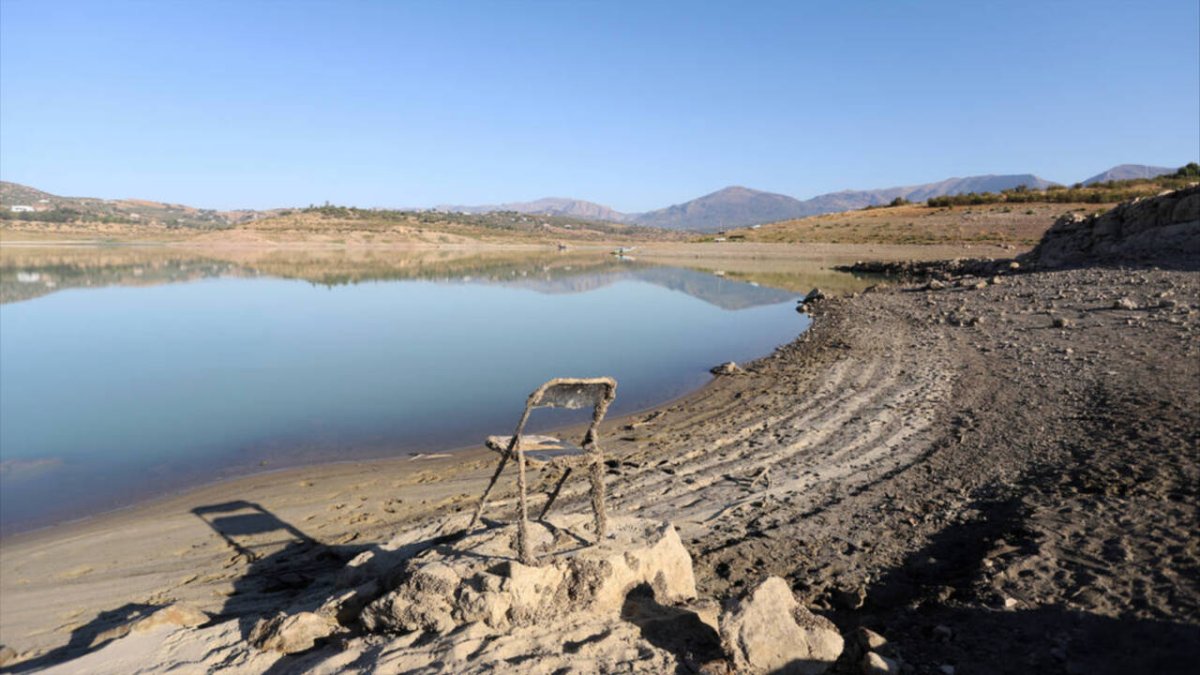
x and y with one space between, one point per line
104 628
285 566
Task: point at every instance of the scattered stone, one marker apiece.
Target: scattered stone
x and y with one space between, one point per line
1125 303
849 598
179 614
814 295
935 285
767 631
870 639
291 634
727 368
1063 322
345 607
876 664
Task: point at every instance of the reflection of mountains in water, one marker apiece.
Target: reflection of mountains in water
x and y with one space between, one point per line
26 282
711 288
25 279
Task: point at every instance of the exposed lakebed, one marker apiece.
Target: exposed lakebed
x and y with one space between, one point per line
133 374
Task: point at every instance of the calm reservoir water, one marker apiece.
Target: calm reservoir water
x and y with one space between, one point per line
112 392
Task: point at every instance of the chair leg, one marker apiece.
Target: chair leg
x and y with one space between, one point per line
487 491
523 522
554 495
598 496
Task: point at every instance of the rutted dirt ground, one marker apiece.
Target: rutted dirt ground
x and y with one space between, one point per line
1001 478
999 475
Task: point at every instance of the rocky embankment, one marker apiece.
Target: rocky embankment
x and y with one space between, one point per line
1163 231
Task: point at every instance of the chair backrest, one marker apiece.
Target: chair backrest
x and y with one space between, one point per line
574 393
570 392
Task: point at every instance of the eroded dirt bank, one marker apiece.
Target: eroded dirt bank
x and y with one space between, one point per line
999 475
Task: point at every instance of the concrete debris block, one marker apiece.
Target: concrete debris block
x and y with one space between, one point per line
767 631
420 603
479 581
876 664
291 634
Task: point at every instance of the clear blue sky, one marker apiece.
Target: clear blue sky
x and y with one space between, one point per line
633 104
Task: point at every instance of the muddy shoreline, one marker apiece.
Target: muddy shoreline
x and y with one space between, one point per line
997 474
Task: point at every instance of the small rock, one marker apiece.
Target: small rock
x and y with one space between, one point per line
767 631
814 295
1125 303
947 669
849 598
876 664
980 286
1014 265
1063 322
943 633
178 614
291 634
7 654
727 368
935 285
870 639
1009 603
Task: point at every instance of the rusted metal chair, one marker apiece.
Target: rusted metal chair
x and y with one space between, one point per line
598 393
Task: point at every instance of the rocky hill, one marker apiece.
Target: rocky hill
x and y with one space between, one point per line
24 203
733 206
1128 172
550 206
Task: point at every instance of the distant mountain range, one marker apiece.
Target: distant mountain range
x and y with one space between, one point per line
730 207
738 206
1128 172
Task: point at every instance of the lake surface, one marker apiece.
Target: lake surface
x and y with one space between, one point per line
128 378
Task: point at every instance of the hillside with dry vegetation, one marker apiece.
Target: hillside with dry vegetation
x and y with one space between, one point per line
1016 217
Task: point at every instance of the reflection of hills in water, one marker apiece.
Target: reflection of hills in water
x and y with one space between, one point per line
29 281
711 288
27 275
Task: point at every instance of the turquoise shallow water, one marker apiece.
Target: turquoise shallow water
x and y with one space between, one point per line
114 394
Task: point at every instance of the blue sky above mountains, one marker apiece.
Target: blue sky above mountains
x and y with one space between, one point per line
634 105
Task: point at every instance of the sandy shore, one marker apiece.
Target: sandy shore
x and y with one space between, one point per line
996 476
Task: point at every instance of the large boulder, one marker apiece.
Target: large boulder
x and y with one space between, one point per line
767 631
